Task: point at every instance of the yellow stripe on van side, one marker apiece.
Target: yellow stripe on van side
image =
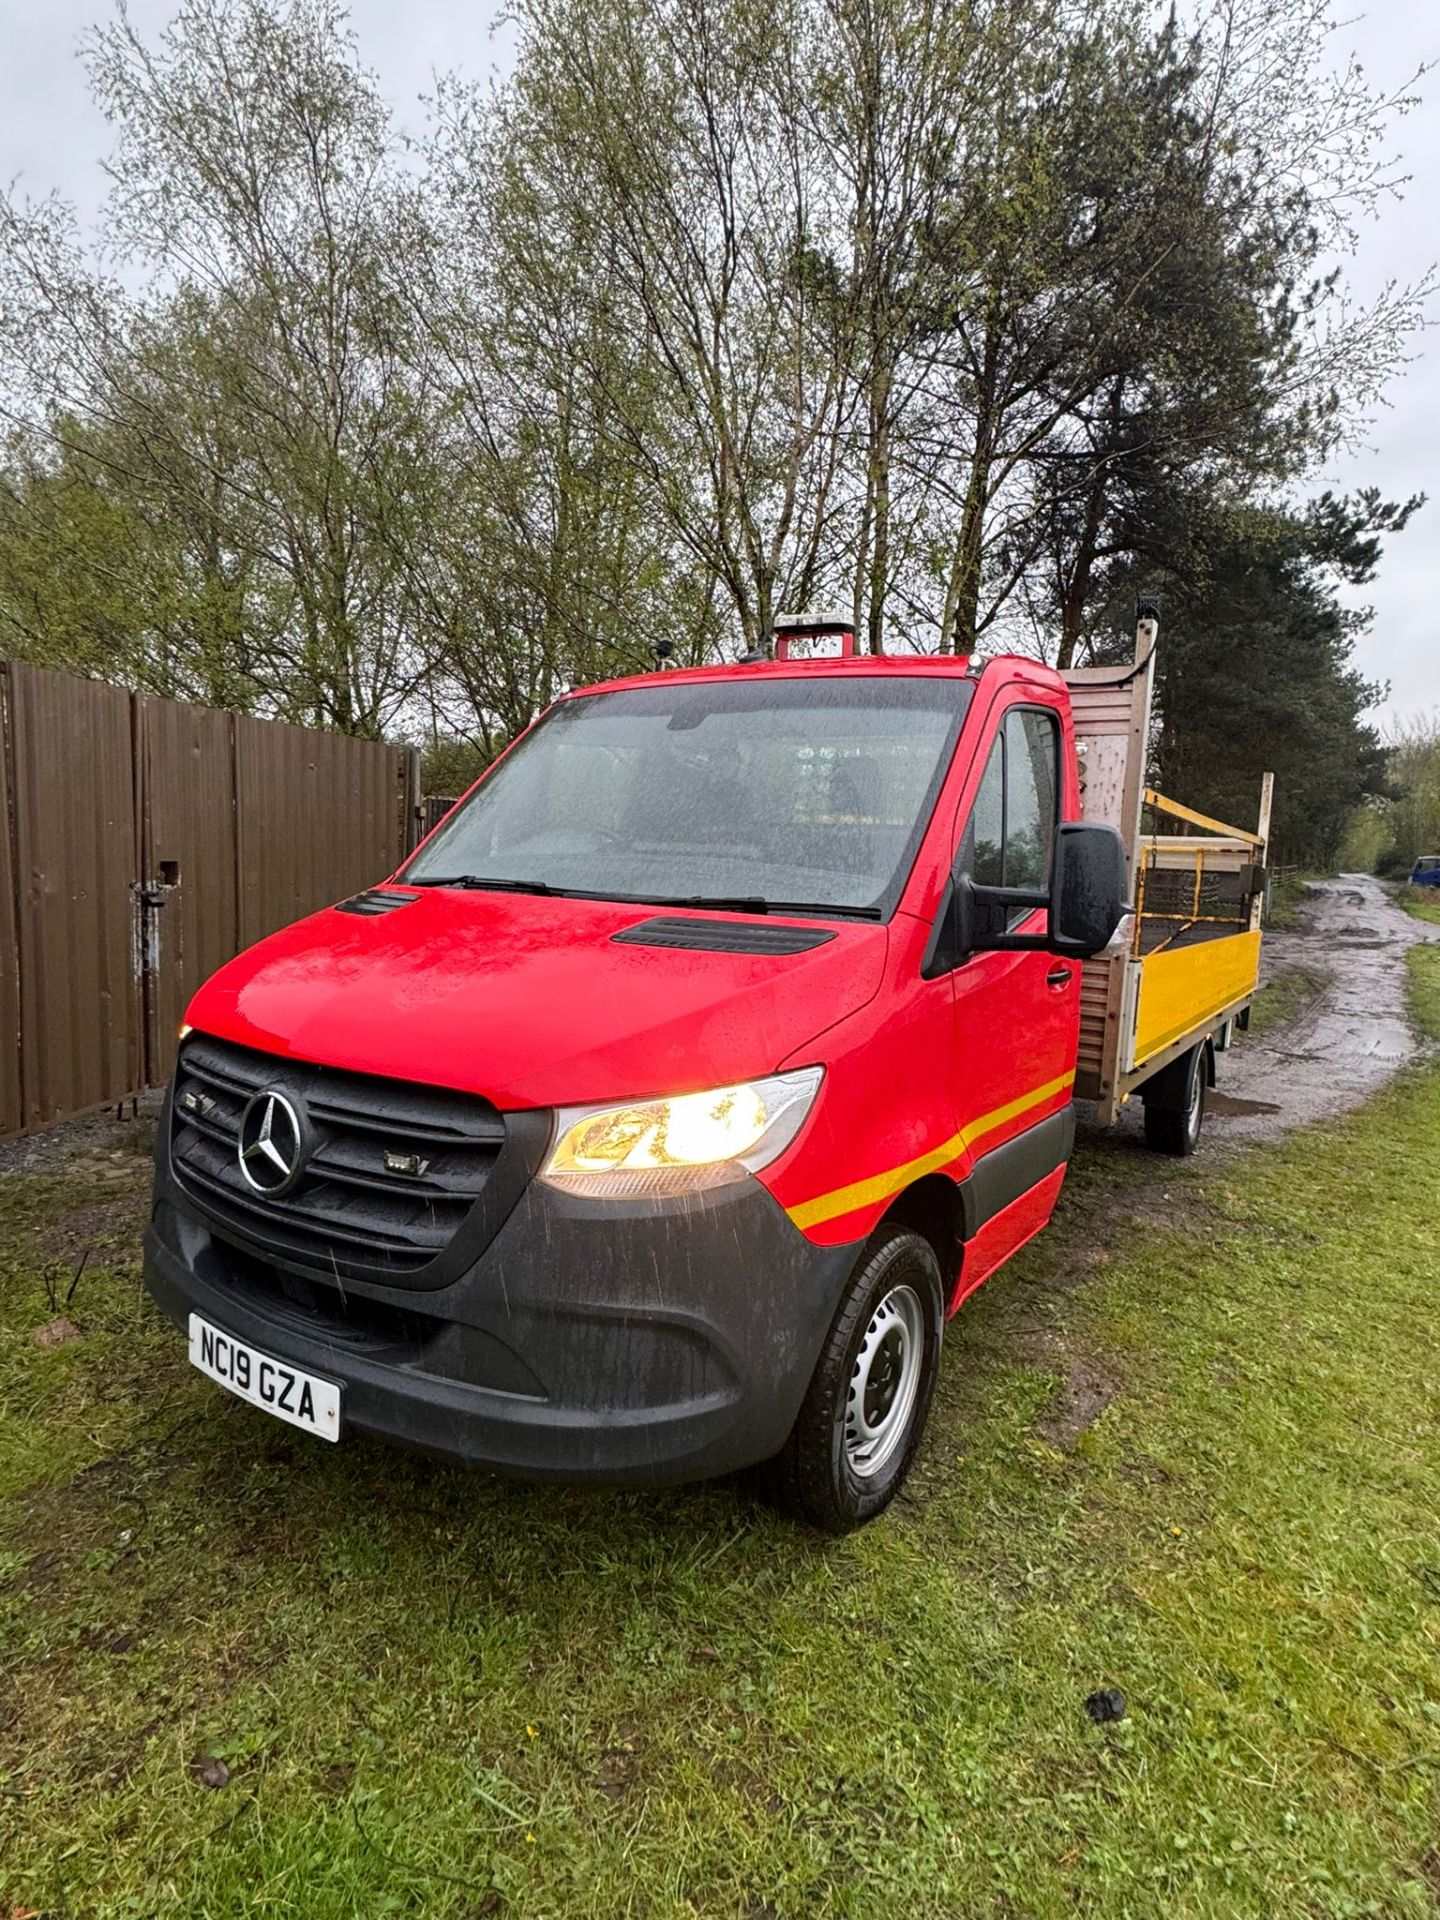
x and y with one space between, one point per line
864 1193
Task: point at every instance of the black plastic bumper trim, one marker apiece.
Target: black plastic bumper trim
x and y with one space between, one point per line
1001 1176
623 1344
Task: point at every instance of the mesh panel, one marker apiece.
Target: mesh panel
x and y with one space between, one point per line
1170 903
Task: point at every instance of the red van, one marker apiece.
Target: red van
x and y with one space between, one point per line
650 1121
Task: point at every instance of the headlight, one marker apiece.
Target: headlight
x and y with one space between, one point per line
682 1144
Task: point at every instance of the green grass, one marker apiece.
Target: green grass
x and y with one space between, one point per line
443 1695
1421 902
1287 897
1424 965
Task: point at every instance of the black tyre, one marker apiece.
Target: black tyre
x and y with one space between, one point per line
1175 1105
868 1400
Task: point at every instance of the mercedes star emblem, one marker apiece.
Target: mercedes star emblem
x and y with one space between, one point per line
271 1146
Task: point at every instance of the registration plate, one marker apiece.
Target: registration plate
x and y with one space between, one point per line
264 1381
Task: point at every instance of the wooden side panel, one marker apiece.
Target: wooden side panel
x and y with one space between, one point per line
1173 853
1111 707
1099 1024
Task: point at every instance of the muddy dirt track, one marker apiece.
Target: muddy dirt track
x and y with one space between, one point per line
1346 1042
1354 1036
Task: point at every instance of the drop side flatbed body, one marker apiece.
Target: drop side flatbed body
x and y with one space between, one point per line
1184 967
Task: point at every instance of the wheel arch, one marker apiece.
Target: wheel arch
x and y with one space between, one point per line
933 1207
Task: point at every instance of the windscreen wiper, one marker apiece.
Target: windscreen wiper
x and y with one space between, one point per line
826 906
728 902
485 883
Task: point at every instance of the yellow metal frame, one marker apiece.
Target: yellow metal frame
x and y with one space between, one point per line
1162 803
1176 847
1183 988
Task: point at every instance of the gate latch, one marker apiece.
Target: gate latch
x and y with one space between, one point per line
149 897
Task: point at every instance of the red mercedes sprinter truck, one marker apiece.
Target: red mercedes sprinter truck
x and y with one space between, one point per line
652 1119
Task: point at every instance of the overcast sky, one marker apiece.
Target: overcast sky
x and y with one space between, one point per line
51 137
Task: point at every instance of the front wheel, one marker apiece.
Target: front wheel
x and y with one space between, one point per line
866 1406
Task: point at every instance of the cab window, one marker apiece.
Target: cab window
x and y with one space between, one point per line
1011 832
1032 764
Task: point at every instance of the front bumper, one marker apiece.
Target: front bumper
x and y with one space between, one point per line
619 1342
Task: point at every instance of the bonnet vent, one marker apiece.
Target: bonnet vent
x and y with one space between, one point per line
722 936
376 900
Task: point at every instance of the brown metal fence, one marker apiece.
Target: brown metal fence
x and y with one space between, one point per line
142 843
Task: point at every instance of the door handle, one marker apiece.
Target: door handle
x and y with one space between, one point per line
1059 976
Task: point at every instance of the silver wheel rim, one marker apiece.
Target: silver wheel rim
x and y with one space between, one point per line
884 1383
1197 1102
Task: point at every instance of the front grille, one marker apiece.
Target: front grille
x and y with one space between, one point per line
348 1213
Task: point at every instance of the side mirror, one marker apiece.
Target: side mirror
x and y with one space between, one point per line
1087 894
1084 906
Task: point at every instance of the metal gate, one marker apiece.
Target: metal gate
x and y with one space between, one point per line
143 842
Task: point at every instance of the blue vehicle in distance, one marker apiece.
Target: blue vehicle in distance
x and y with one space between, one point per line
1426 871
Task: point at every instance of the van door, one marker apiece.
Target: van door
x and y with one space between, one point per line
1016 1014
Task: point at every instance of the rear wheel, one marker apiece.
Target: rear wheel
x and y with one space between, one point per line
1175 1105
866 1406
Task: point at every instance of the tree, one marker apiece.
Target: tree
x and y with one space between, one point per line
657 151
1413 816
1254 673
1225 359
263 389
548 562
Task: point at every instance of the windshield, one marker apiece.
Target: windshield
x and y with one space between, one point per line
772 792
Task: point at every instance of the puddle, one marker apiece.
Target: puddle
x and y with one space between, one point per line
1227 1106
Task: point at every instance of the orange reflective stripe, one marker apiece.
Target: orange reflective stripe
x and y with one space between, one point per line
864 1193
